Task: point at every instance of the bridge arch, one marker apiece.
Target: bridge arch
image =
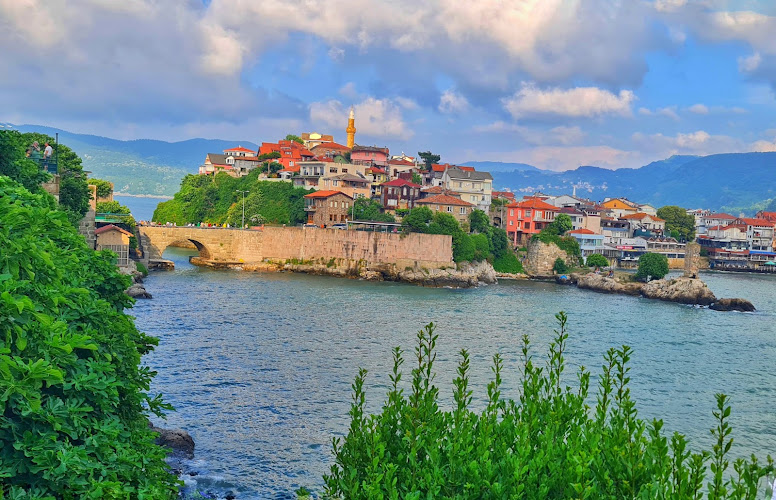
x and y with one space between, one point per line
204 252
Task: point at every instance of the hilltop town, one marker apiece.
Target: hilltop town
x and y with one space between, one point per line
617 228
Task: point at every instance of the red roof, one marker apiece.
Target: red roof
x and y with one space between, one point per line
581 231
375 170
720 216
443 199
325 194
503 194
641 215
401 162
755 222
111 227
401 182
331 145
534 203
436 167
241 149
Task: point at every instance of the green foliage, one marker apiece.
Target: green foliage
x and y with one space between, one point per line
481 246
272 167
429 158
417 219
597 260
369 209
14 164
215 200
479 222
114 207
104 188
499 242
678 220
141 268
73 395
547 444
559 226
568 244
508 263
652 266
401 212
295 138
416 178
269 156
560 266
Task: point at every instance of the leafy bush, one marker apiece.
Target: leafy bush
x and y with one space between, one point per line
463 247
369 209
72 393
104 188
560 266
481 246
597 260
508 263
479 222
547 444
652 266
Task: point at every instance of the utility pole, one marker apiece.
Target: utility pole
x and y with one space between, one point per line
243 206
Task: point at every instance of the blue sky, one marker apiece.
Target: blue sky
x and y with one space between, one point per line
553 83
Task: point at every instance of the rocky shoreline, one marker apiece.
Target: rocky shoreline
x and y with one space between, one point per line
464 275
137 290
683 290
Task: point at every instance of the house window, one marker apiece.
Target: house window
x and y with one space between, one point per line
527 225
449 208
511 223
463 210
527 213
511 212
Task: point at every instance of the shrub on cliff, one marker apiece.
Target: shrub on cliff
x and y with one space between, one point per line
559 266
73 395
547 444
596 260
652 266
508 263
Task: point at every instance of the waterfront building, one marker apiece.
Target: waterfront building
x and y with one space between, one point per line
474 187
589 242
528 217
615 231
115 239
399 193
643 224
457 207
759 237
325 208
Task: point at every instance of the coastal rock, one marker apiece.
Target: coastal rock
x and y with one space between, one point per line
732 305
601 283
540 259
682 290
179 441
138 291
465 275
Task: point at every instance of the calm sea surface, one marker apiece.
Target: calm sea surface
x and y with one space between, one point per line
259 365
142 208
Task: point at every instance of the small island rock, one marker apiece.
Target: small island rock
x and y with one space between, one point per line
179 441
733 305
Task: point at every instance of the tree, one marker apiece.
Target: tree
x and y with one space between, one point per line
417 219
429 158
597 260
560 225
269 156
560 266
295 138
368 209
479 222
677 219
652 266
104 188
416 178
14 164
75 406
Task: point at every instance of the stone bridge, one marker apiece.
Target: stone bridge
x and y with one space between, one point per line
233 246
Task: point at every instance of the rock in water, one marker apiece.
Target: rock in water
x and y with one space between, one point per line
138 291
179 441
682 290
732 305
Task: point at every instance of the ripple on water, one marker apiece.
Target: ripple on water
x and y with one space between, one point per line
259 366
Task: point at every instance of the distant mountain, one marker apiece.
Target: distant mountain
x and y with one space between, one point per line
498 166
733 182
141 166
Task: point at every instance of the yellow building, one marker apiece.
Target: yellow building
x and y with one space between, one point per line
619 207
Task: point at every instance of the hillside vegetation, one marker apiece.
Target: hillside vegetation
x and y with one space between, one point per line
218 200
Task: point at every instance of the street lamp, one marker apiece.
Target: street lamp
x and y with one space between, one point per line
243 206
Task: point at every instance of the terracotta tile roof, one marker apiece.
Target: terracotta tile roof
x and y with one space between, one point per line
533 203
325 194
754 222
401 182
443 199
581 231
375 170
111 227
720 216
241 149
434 190
642 215
401 162
331 145
503 194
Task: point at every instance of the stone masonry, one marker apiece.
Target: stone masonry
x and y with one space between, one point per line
541 258
304 244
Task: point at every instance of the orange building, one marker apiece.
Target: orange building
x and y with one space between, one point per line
291 153
528 217
619 207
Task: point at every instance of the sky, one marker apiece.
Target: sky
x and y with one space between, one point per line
553 83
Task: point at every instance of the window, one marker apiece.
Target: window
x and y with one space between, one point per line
460 184
405 191
527 213
449 208
511 212
463 210
511 223
527 225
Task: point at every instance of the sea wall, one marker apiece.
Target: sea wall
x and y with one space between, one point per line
541 257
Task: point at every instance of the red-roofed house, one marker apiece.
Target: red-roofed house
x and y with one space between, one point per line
718 219
759 234
239 151
589 241
325 208
770 216
399 193
369 155
329 149
529 217
445 203
643 224
291 152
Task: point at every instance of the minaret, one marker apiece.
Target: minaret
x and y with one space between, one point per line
351 130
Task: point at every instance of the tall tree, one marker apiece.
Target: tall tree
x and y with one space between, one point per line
677 219
429 158
478 221
295 138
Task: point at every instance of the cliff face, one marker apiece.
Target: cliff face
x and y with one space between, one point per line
541 257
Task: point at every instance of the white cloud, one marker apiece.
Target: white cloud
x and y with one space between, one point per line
561 135
576 102
669 5
699 109
749 63
451 102
668 111
377 118
348 91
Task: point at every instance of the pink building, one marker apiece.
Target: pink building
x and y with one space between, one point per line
369 155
